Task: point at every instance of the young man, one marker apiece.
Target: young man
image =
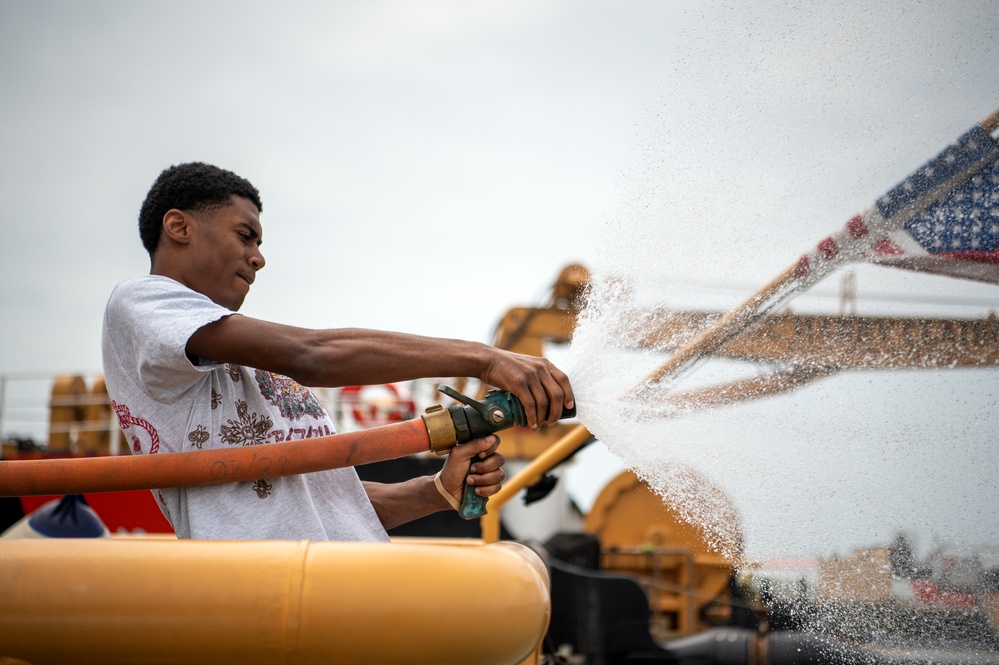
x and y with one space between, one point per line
186 372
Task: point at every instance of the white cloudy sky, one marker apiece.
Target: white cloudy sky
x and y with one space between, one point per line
425 165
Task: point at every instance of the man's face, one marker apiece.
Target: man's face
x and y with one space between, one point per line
225 254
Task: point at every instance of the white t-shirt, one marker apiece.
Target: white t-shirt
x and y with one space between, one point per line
166 403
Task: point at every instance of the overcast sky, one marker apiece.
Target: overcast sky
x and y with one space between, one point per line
426 165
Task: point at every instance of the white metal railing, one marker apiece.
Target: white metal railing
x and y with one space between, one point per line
25 408
27 401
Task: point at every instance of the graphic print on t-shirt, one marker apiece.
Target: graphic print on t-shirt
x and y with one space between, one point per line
126 420
249 430
293 399
199 436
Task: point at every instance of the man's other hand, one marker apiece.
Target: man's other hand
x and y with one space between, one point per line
476 464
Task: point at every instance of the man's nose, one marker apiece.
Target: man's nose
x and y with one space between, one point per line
257 260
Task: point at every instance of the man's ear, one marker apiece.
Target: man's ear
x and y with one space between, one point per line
177 226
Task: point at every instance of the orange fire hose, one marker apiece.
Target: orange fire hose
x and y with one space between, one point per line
212 467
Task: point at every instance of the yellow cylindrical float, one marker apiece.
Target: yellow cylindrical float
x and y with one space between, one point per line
100 434
166 601
66 412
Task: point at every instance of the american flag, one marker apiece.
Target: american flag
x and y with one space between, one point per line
944 218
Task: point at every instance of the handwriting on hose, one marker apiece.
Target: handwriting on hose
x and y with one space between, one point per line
237 469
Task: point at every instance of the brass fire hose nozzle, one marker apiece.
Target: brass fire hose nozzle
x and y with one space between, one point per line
441 429
460 423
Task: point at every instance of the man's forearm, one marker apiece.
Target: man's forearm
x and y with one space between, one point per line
351 356
359 356
337 357
398 503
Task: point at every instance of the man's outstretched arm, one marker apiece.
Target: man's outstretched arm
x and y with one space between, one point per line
353 356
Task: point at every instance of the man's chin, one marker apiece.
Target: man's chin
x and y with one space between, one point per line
237 299
232 303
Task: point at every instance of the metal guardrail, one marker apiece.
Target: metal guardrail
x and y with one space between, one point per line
24 406
27 403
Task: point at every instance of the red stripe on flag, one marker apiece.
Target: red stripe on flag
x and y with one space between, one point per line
828 248
982 257
886 247
857 227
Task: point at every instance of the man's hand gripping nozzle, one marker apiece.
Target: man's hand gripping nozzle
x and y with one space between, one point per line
471 419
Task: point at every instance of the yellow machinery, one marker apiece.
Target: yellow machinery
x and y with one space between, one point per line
685 578
680 571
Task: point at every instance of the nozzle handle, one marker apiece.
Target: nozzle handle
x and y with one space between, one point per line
472 505
499 410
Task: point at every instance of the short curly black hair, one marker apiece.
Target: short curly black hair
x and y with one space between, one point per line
194 186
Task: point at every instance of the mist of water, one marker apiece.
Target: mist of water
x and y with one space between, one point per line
846 463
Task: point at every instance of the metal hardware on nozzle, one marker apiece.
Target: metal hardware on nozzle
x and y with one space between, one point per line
460 424
499 410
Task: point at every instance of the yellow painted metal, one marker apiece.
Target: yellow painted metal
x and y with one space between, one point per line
524 443
522 329
532 473
844 342
682 565
100 436
66 411
166 601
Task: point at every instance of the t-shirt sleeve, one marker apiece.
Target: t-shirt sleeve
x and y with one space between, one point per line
148 322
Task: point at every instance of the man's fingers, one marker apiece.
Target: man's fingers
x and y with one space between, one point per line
538 401
459 460
543 389
475 465
560 391
557 399
487 484
475 447
552 393
488 464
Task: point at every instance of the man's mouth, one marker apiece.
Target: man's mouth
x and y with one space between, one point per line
247 279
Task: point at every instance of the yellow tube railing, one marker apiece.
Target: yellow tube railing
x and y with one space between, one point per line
158 601
532 473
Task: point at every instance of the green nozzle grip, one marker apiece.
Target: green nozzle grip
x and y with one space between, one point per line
472 505
472 420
